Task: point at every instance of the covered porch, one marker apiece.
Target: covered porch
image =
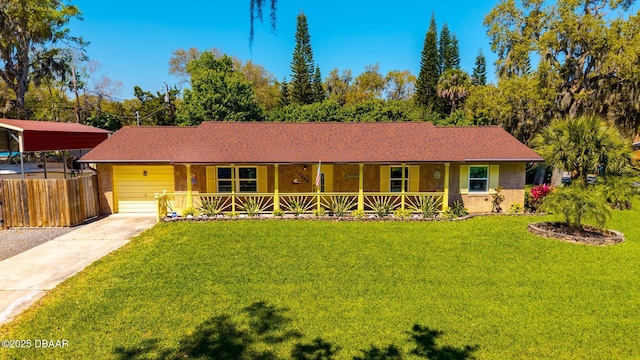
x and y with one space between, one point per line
332 188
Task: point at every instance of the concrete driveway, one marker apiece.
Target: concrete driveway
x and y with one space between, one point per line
26 277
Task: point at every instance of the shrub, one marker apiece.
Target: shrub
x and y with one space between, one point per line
188 211
340 205
576 202
456 210
496 200
211 205
298 205
427 206
619 192
536 195
358 214
515 209
278 213
402 214
382 205
254 205
319 212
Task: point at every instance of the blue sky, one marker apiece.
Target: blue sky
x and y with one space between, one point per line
133 40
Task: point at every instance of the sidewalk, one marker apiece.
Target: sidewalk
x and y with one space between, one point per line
28 276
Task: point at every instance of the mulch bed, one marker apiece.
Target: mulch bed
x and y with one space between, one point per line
586 235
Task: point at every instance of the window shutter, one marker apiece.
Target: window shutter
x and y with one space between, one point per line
494 177
385 178
211 179
328 177
262 179
464 179
414 178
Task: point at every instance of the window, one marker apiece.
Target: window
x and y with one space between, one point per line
321 182
396 179
225 184
246 179
478 178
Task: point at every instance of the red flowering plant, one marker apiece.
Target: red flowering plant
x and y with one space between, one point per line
538 192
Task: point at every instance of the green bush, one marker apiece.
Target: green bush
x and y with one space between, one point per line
340 205
211 205
358 214
456 210
515 209
382 205
402 214
577 203
427 206
619 191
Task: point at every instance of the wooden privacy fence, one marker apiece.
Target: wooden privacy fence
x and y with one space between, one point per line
48 202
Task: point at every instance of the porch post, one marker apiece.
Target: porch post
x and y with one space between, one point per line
361 188
402 187
189 186
276 190
233 188
445 197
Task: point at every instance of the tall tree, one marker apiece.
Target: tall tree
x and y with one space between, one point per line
218 93
285 98
368 85
31 32
444 47
454 52
318 87
158 109
302 64
454 86
338 85
584 145
479 76
400 85
426 93
592 45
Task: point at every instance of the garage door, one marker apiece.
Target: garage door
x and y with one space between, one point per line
135 187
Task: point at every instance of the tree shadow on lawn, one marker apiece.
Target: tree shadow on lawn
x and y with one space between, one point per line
222 337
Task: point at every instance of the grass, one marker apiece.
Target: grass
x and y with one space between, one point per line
482 288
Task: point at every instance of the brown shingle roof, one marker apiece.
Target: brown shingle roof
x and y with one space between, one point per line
264 142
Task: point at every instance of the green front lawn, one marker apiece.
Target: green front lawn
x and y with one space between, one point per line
482 287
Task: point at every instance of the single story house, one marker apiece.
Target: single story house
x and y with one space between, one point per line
275 165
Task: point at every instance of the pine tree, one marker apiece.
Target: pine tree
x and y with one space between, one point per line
285 98
302 65
426 93
454 52
318 87
444 43
479 76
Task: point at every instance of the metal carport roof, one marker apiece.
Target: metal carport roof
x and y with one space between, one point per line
30 136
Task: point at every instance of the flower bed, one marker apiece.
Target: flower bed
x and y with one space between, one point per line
587 235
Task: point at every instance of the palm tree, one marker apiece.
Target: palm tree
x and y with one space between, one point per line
584 145
454 86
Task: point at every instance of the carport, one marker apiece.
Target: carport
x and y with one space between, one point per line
24 136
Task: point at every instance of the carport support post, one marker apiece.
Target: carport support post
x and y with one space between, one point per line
276 190
189 187
361 188
445 197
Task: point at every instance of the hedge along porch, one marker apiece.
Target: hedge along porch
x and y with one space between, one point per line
275 164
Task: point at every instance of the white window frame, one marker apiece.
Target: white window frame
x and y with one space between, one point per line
485 179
